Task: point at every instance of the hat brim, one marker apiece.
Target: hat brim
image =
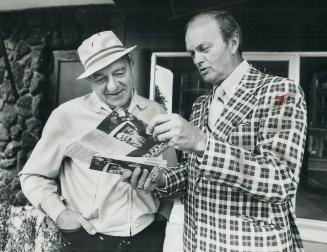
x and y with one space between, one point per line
104 63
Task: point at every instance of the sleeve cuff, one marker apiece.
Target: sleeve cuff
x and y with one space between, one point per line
165 188
52 207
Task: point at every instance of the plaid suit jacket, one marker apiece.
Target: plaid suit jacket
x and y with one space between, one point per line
239 194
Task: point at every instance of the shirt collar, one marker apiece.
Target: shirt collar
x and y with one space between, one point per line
136 101
229 85
99 105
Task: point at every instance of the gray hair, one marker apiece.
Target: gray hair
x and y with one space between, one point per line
227 24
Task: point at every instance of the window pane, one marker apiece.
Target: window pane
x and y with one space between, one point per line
312 194
187 83
279 68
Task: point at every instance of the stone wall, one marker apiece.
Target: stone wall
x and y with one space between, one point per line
30 37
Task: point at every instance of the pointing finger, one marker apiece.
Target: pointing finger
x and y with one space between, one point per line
161 129
156 121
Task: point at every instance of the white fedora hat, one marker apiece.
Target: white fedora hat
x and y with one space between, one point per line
99 51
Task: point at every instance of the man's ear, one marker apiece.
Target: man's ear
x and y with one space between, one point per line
234 43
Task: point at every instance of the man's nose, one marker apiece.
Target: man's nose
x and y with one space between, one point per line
198 58
112 84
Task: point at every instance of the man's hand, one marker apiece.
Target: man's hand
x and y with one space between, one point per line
178 132
70 220
142 180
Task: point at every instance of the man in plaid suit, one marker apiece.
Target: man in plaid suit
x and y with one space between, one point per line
244 146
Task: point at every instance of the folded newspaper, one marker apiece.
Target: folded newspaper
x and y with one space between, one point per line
120 140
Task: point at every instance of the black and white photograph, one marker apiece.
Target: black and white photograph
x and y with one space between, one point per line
163 126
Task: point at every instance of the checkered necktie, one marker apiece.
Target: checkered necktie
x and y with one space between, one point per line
216 106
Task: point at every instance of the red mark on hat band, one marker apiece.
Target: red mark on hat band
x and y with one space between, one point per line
280 100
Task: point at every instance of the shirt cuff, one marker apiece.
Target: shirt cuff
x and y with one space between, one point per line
53 207
165 188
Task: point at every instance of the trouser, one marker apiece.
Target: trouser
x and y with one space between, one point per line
149 240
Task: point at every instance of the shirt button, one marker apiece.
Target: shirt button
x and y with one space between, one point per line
234 123
208 176
195 217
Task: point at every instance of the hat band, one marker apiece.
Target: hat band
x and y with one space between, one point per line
103 50
102 56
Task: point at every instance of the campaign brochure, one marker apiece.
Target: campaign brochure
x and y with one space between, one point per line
119 142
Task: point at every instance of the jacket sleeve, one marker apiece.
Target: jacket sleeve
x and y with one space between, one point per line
270 172
40 171
176 178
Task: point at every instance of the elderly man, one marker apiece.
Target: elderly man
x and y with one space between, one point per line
95 211
244 145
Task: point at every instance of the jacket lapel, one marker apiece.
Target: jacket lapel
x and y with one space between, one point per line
203 124
240 105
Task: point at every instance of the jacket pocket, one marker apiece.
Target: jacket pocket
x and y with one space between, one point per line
259 224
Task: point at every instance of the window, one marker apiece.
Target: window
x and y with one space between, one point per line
67 68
